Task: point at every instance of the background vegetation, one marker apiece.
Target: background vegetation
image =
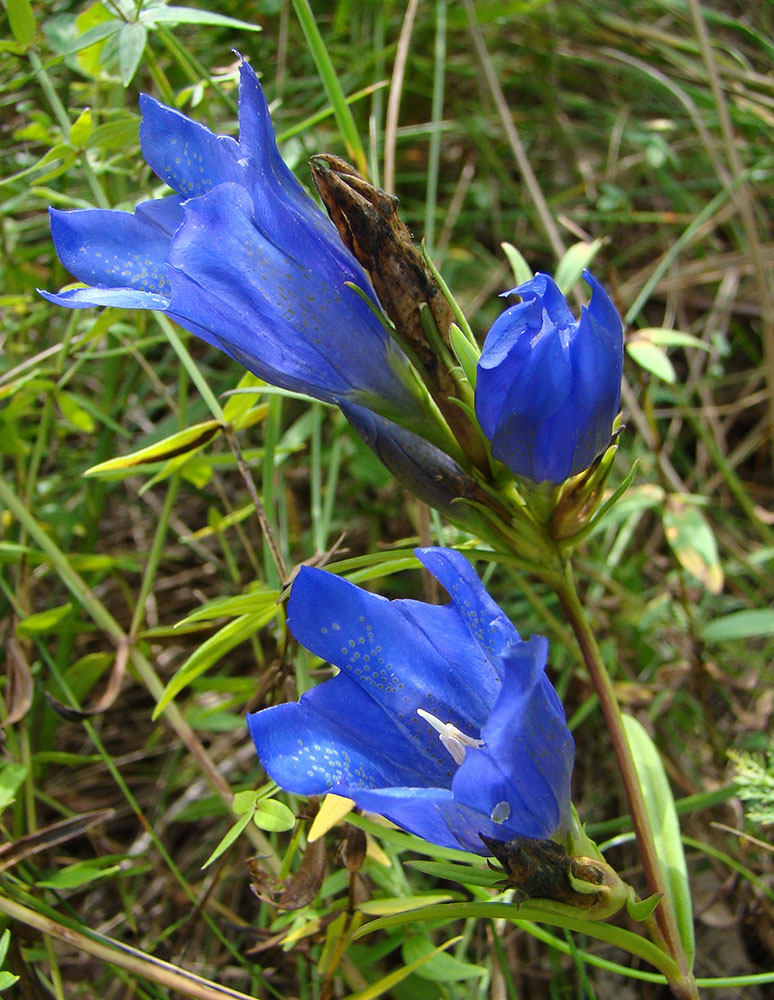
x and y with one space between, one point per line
644 132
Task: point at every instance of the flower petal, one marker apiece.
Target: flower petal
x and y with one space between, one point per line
121 298
116 249
338 738
520 780
405 654
548 387
488 625
184 154
290 323
430 813
258 143
248 293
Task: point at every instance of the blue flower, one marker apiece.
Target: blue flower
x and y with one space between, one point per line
549 386
241 257
441 718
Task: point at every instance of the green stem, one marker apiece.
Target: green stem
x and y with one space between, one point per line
664 930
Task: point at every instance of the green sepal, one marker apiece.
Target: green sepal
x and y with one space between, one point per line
641 909
467 354
459 315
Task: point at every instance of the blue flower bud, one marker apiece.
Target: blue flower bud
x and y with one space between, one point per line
549 386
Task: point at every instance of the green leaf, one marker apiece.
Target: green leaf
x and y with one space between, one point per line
120 132
240 401
95 25
81 128
670 338
212 650
575 260
341 110
78 874
641 909
387 905
464 874
22 20
91 38
74 412
652 359
691 539
156 14
524 913
740 625
244 801
231 835
385 984
660 807
11 778
521 270
182 442
440 967
273 816
255 602
43 621
131 45
5 940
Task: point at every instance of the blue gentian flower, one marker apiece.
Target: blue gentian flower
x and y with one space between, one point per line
549 386
241 257
441 718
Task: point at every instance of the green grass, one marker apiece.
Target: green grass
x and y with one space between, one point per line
636 131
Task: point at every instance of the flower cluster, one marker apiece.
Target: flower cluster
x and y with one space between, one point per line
241 256
441 718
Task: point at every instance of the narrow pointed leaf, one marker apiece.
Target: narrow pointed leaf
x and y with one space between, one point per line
660 806
181 443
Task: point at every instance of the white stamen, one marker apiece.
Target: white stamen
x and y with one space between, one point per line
451 737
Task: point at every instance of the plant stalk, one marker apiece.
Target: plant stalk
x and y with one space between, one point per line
663 928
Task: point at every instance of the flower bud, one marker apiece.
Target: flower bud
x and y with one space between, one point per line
549 386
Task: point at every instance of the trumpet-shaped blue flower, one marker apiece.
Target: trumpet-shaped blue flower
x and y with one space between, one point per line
441 718
241 257
549 386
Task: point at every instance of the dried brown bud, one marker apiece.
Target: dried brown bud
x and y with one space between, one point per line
368 224
542 869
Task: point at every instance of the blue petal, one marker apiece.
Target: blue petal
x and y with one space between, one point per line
121 298
164 213
585 421
258 143
603 312
430 813
338 738
549 387
184 154
116 249
522 775
232 281
536 389
405 654
544 290
295 325
282 210
489 626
